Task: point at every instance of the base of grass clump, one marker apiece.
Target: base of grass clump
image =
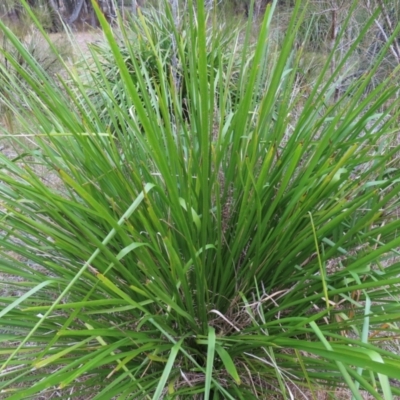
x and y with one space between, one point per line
237 254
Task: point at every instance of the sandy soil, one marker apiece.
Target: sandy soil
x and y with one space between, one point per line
80 40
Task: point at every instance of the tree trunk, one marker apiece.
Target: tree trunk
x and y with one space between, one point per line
92 18
77 10
134 7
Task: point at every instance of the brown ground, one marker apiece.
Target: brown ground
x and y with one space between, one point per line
80 39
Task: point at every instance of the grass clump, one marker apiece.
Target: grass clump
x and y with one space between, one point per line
35 53
231 254
161 49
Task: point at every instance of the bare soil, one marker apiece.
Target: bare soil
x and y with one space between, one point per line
80 40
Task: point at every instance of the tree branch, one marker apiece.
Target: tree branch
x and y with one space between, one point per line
394 47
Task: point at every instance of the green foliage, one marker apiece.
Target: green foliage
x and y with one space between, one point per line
149 42
36 53
223 255
14 15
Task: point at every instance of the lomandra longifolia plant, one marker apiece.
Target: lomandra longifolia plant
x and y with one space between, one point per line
193 244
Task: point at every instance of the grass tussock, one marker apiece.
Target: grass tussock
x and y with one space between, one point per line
215 232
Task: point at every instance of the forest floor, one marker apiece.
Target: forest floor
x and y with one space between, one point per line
80 40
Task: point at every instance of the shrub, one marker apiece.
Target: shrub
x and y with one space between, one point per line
232 257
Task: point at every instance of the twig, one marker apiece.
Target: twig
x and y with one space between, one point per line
394 47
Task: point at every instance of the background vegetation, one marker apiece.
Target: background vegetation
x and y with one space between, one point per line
203 206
